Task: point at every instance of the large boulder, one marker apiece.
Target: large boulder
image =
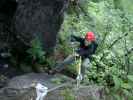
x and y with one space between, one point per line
23 87
40 19
59 86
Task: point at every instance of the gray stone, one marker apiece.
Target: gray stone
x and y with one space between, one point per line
39 18
23 88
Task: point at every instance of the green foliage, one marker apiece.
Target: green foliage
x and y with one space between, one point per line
122 89
56 81
38 57
64 46
68 94
112 21
36 52
109 73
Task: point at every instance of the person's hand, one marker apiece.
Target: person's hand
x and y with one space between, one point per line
76 54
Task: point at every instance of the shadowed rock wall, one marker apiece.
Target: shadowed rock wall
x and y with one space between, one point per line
39 18
25 20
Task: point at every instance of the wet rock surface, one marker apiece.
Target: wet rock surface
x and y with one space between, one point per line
21 85
23 88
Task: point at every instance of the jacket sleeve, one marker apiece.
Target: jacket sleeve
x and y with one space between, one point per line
88 52
76 38
83 52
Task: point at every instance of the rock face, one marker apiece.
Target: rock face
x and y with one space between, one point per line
7 7
59 87
39 18
24 20
23 87
7 10
21 21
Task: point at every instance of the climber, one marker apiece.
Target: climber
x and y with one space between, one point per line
86 49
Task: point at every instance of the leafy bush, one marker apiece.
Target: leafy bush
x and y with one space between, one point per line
36 52
112 22
68 94
37 57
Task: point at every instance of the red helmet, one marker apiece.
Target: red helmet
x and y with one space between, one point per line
90 36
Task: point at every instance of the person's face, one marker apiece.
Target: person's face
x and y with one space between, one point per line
87 43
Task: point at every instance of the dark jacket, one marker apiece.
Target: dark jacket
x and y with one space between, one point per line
85 51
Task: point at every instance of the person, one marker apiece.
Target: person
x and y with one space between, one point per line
87 48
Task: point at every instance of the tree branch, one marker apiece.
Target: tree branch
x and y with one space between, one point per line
129 51
119 38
